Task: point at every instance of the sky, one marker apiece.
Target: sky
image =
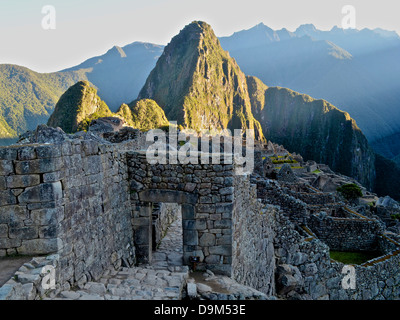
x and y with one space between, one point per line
88 28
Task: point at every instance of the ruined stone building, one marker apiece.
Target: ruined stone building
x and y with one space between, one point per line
84 204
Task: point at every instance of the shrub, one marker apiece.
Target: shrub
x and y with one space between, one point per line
350 191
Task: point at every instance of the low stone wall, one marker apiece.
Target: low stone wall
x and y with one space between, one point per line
253 261
305 270
346 234
271 193
315 198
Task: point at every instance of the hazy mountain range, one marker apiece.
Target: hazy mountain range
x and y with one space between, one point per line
196 82
356 70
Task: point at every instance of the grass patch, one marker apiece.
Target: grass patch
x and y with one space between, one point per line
347 257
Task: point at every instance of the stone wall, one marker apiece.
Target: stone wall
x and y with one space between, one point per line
253 260
96 228
31 198
271 192
305 270
71 198
346 234
205 193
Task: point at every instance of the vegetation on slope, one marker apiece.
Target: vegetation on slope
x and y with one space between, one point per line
77 107
313 128
199 85
143 114
27 98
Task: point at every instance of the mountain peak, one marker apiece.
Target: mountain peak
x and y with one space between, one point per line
198 84
195 30
117 52
306 29
75 105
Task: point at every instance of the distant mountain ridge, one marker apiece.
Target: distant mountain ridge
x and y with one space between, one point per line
206 87
120 73
356 70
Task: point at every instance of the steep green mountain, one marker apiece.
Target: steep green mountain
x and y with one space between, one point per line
199 85
27 98
143 114
80 104
314 128
77 107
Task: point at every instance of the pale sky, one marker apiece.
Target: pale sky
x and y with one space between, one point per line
87 28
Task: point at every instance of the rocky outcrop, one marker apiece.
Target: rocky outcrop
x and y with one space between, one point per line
314 128
144 114
77 107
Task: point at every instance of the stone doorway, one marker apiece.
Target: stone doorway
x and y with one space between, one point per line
167 246
182 237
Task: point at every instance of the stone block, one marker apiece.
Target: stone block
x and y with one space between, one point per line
38 165
224 208
23 233
51 191
39 246
213 259
226 191
6 167
207 239
188 212
207 208
2 183
8 153
26 153
190 237
53 176
189 224
192 290
172 196
3 231
22 181
189 187
142 235
224 240
48 151
223 224
11 214
225 250
7 198
90 147
201 224
48 232
6 243
92 164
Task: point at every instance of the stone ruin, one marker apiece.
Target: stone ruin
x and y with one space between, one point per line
86 203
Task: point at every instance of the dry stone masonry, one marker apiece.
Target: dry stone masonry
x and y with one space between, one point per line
95 210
